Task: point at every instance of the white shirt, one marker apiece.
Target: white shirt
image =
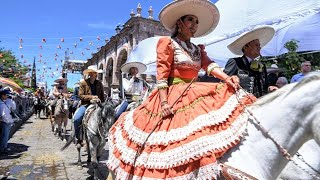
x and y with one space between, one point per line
132 87
5 111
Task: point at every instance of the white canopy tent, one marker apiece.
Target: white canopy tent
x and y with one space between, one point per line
238 17
306 31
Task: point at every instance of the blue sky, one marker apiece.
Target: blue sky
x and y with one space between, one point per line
52 20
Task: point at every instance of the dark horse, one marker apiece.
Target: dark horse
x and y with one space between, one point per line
97 121
39 104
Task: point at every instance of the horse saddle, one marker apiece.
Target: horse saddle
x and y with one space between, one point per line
87 114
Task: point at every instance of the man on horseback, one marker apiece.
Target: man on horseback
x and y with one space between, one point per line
132 85
59 89
250 70
89 89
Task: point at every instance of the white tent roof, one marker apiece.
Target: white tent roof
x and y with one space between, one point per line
238 17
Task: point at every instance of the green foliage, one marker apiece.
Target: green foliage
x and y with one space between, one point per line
11 68
291 60
70 90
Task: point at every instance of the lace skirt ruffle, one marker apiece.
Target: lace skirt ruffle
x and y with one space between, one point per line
208 120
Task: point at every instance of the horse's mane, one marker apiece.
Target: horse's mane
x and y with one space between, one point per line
287 89
107 110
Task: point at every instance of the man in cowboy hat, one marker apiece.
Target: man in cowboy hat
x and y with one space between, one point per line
59 88
274 72
132 85
89 89
248 69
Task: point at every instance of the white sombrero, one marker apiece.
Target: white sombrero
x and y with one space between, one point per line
126 67
206 12
92 68
55 84
61 79
274 69
264 34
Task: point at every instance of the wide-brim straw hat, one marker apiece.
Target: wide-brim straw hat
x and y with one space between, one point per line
61 79
92 68
55 84
274 69
126 67
206 12
263 34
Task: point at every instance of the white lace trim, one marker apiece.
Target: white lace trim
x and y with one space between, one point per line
178 156
165 137
210 171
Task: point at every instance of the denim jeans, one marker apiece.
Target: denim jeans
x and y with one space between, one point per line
4 136
78 116
122 108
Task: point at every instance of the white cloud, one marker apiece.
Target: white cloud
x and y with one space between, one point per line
101 25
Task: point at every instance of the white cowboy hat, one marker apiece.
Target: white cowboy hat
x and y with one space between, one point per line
77 84
55 84
263 34
204 10
92 68
61 79
274 69
126 67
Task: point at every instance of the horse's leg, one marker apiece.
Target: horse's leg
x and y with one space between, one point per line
101 148
88 146
79 156
94 144
60 128
65 123
111 175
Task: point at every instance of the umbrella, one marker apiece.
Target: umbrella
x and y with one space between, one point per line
238 17
8 82
145 52
305 32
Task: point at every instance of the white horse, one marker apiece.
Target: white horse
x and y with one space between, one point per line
291 116
310 152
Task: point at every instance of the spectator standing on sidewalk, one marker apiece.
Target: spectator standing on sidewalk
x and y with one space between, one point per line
6 107
305 69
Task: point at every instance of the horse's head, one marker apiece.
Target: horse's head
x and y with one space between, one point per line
107 114
297 105
288 117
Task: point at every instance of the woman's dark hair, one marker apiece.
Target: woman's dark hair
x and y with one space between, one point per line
175 32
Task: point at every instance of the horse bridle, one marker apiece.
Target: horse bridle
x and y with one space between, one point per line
283 150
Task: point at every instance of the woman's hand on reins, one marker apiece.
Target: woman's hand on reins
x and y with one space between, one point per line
233 81
166 110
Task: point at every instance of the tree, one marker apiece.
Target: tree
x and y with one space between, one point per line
11 68
291 61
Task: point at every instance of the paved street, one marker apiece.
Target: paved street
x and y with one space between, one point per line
36 155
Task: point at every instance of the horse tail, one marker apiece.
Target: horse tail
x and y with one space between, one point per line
70 140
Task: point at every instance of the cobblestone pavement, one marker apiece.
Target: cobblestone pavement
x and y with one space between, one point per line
36 155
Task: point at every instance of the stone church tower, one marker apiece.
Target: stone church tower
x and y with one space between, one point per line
116 50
